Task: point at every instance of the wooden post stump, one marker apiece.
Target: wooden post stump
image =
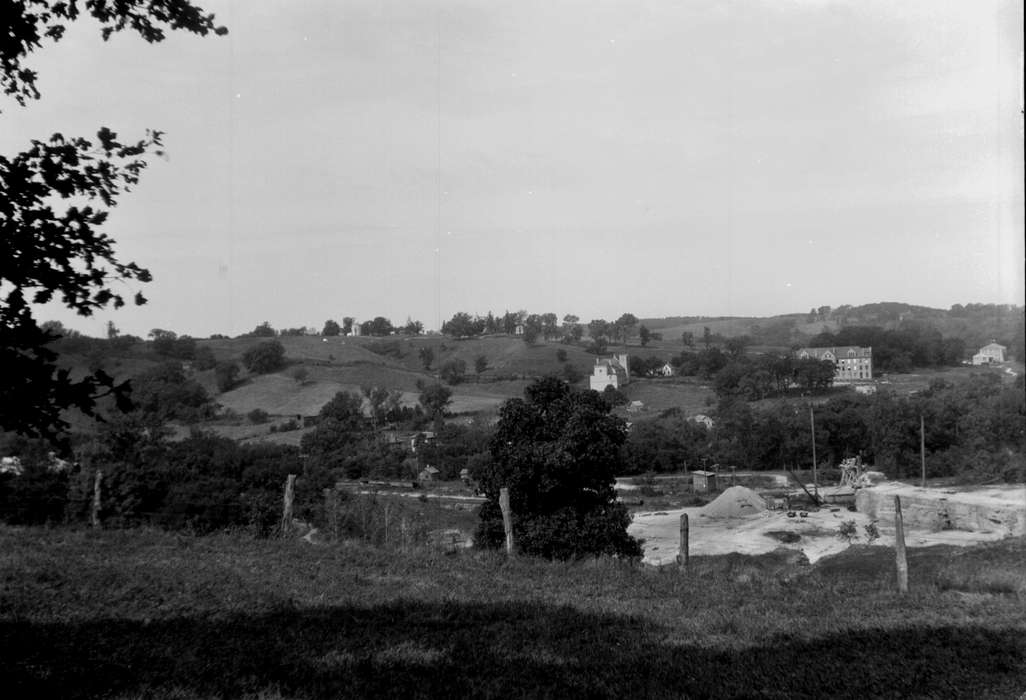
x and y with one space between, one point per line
94 516
899 547
286 511
685 553
507 519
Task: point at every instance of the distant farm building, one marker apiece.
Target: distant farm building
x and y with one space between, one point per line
428 474
703 481
611 371
665 371
990 354
851 362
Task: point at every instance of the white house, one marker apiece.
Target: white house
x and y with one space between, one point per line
612 372
665 371
990 354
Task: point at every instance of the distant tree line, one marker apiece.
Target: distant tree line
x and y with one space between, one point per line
913 345
975 429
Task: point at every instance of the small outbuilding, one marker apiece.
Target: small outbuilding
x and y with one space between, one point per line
703 481
428 474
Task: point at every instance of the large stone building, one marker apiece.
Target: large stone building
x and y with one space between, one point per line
852 363
611 371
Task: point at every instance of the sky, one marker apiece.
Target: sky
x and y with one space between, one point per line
415 158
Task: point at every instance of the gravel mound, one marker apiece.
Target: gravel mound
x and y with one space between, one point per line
735 502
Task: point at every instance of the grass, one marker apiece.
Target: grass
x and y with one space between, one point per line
143 613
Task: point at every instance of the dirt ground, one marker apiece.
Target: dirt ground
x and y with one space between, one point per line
815 535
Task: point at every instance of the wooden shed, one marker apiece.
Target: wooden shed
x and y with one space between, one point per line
703 481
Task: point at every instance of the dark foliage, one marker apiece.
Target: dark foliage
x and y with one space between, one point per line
55 250
226 374
164 393
268 356
379 325
453 371
557 451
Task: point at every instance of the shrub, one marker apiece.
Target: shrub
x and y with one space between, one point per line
257 416
268 356
848 531
226 374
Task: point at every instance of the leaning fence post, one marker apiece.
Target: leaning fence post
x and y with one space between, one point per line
899 547
94 516
684 554
286 511
507 519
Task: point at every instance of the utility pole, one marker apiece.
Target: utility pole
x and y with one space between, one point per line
922 449
815 481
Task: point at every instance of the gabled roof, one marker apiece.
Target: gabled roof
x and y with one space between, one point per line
840 352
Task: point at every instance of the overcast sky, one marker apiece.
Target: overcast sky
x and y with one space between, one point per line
417 158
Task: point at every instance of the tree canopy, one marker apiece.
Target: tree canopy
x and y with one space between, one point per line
56 197
557 450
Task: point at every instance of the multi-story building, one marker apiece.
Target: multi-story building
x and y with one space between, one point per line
611 371
852 363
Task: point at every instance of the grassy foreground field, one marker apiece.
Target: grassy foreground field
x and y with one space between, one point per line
130 614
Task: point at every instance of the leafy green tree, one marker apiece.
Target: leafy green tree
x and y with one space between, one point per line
549 325
557 451
561 354
300 375
427 356
480 364
331 328
532 329
624 327
347 325
226 374
56 197
413 327
598 328
378 326
435 398
268 356
165 393
644 334
688 339
736 346
204 359
453 371
264 330
572 327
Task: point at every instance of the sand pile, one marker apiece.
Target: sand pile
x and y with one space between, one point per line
735 502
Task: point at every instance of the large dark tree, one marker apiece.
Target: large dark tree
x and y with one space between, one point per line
557 450
56 196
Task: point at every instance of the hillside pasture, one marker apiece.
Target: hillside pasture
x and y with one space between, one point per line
690 394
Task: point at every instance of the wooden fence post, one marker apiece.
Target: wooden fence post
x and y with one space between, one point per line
94 516
899 547
286 511
685 549
507 518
